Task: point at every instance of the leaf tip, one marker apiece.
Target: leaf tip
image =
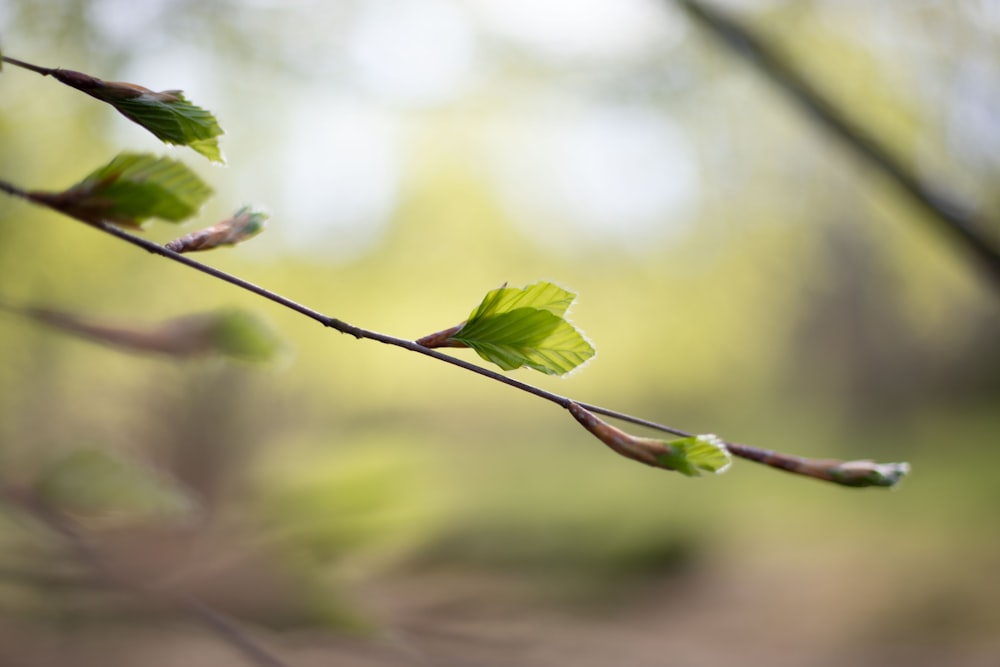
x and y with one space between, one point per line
693 456
869 473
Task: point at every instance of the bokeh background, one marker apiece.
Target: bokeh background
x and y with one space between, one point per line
739 270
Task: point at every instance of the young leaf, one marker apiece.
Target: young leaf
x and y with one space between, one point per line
521 327
174 120
689 456
167 114
541 296
244 224
130 189
537 339
242 336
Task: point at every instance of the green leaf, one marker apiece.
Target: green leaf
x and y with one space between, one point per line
692 456
525 327
94 482
241 335
174 120
167 114
689 456
130 189
541 296
141 186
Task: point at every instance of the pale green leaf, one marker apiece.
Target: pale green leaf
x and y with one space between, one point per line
174 120
132 188
243 336
694 455
541 296
525 327
527 337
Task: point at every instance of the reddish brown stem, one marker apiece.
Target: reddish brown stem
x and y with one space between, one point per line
442 338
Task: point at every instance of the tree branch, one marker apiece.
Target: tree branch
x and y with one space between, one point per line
823 469
952 218
221 625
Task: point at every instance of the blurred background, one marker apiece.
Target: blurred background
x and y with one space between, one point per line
739 270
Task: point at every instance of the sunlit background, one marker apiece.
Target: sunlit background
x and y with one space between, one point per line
739 270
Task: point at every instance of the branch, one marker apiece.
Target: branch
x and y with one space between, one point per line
44 71
223 627
949 216
856 473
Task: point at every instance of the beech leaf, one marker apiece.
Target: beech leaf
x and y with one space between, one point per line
167 114
130 189
689 456
514 328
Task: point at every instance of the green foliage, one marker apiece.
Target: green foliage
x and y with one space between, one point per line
243 336
144 186
92 482
695 455
689 456
130 189
526 327
540 296
167 114
174 120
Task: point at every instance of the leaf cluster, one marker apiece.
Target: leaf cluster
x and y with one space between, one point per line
524 327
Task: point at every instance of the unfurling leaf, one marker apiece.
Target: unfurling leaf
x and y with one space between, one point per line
692 455
229 333
92 482
129 190
240 335
689 456
540 296
869 473
168 114
521 327
244 224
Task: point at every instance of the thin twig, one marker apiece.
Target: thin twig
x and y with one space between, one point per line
44 71
778 460
950 216
325 320
13 190
223 627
